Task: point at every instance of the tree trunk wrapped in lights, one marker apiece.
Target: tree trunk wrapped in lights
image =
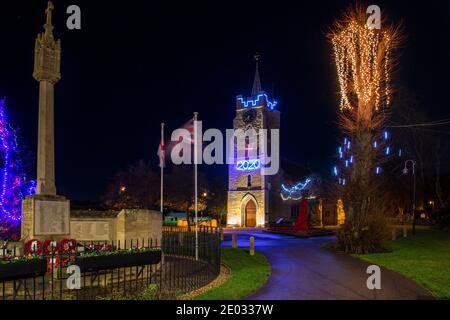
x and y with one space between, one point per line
364 64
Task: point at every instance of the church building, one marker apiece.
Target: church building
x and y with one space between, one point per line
252 196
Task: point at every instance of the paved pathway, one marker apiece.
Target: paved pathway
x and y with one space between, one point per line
303 270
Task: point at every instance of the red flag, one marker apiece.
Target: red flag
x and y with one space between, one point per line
162 150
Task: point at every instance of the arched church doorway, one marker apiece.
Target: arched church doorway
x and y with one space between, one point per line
250 214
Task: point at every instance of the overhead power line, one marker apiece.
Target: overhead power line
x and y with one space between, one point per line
425 124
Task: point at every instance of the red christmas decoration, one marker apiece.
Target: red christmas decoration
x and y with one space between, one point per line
302 222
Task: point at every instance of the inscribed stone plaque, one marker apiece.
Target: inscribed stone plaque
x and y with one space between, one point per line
51 217
90 230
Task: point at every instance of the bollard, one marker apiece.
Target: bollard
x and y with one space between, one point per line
221 234
252 246
405 232
234 240
393 234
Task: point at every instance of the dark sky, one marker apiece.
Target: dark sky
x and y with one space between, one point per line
137 63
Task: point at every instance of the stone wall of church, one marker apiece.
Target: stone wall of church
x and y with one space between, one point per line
241 180
235 214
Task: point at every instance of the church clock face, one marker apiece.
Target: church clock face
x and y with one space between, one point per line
249 115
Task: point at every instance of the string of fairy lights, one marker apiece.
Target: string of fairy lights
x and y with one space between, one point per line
362 57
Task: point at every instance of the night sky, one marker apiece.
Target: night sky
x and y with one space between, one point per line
136 63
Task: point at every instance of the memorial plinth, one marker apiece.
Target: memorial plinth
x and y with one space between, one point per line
45 217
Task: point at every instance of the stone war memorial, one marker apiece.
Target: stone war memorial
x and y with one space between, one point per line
46 215
64 252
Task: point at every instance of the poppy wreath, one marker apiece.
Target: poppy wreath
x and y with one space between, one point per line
66 262
50 249
68 246
29 247
57 262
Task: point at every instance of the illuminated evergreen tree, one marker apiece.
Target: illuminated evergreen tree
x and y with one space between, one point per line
13 183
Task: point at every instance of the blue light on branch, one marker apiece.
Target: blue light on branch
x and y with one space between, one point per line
335 171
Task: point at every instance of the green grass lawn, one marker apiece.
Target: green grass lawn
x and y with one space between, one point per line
424 258
248 274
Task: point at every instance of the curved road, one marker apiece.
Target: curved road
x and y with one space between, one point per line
303 270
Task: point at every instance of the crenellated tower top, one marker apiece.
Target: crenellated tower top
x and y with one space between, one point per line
259 97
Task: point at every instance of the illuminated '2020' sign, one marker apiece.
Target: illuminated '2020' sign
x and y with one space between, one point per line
245 165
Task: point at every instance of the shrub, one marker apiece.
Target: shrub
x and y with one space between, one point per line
442 218
363 237
149 293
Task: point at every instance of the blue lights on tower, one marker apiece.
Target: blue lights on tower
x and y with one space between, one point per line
258 101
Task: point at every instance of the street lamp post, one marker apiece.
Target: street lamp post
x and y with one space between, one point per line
405 171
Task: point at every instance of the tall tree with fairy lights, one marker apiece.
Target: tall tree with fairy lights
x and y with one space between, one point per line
364 62
14 185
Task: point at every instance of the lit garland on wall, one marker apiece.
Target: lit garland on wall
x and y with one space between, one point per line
13 184
296 191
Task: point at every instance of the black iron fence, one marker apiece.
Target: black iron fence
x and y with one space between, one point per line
182 261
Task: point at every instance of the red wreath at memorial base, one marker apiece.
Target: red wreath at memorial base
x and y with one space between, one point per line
51 247
68 246
29 247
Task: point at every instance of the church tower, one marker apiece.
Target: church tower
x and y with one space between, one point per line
249 191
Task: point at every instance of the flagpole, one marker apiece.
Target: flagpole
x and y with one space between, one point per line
195 184
162 169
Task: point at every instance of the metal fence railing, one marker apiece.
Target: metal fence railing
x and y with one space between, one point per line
110 270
